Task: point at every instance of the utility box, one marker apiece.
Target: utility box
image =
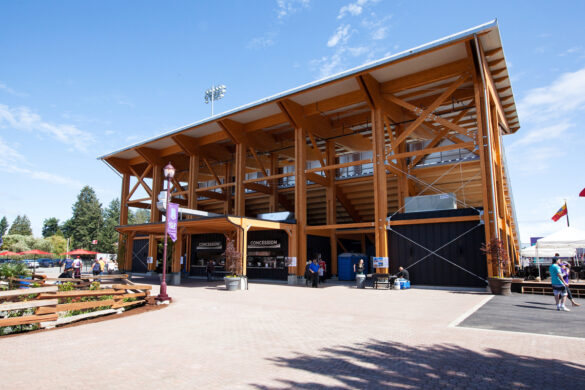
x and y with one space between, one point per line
415 204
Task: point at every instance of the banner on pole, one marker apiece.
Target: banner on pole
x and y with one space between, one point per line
172 220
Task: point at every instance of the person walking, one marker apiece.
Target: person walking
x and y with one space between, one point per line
558 284
77 266
308 277
95 267
67 268
322 270
314 268
209 269
566 270
102 265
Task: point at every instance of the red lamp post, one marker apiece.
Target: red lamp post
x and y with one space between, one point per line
169 172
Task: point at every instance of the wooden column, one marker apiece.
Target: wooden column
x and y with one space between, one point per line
177 252
240 193
193 182
482 141
227 191
380 186
301 197
331 206
242 245
402 179
273 202
155 216
152 251
129 251
124 213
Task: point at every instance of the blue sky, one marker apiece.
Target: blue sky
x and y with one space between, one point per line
82 79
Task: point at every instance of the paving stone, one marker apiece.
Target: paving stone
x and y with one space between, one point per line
287 337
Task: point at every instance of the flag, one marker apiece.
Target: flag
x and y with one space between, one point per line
562 212
582 193
94 242
172 220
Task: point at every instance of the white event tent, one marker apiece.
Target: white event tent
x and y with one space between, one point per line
564 242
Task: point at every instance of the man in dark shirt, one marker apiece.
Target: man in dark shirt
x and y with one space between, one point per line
402 273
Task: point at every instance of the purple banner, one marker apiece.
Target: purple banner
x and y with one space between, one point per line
172 220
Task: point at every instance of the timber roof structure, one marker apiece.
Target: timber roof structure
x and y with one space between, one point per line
443 108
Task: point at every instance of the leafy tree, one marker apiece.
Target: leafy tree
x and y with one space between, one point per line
51 227
108 236
58 244
138 217
3 226
21 225
86 221
66 228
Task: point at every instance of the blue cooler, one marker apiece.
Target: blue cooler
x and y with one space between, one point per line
404 284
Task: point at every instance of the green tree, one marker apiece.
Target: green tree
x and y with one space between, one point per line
51 227
3 226
58 244
138 217
86 221
66 228
21 225
108 236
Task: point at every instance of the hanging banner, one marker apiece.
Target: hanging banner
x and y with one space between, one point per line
172 220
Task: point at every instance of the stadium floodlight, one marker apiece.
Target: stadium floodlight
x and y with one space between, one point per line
214 93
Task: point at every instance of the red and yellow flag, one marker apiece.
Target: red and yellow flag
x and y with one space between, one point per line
561 213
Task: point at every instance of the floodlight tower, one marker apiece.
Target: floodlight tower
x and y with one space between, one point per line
216 92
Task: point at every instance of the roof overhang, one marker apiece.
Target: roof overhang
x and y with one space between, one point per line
220 224
431 55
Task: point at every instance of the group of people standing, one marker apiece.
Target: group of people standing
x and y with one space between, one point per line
559 276
72 267
315 272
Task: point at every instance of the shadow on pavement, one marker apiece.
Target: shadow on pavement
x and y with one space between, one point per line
378 365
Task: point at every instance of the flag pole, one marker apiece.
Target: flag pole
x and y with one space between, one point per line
566 208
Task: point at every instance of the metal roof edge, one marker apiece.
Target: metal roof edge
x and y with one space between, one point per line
418 49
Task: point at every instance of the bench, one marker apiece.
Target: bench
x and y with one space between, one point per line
382 280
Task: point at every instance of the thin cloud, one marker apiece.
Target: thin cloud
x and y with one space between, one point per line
288 7
542 134
353 9
261 42
24 119
7 89
563 96
14 162
380 33
342 34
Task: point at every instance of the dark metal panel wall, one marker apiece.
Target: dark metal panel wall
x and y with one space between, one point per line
139 255
464 252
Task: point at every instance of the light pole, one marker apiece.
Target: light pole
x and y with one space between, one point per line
169 172
216 92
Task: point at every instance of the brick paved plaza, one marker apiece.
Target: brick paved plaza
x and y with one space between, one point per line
278 336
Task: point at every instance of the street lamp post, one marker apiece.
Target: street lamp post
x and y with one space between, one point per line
216 92
169 172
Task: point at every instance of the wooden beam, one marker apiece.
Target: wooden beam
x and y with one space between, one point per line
403 222
426 113
317 179
152 156
425 151
339 226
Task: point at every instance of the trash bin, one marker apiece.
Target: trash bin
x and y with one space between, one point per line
360 281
